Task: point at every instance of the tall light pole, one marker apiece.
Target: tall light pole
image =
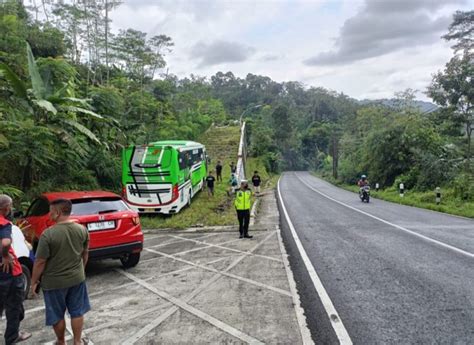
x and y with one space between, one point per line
247 110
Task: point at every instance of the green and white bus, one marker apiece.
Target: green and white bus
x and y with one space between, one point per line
163 177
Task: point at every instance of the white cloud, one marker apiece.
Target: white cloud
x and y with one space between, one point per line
274 37
218 52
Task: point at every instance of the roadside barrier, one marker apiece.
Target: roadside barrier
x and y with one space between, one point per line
242 154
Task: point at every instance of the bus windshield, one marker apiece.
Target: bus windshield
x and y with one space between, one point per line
149 159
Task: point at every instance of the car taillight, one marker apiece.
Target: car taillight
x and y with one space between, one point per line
175 194
136 220
123 190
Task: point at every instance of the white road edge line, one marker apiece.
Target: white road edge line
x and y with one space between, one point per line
299 311
426 238
335 320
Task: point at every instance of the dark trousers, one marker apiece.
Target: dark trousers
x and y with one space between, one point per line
244 219
219 176
11 300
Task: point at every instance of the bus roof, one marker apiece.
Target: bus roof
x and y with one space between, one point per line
176 143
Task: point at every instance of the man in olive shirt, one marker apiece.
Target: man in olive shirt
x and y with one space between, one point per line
61 258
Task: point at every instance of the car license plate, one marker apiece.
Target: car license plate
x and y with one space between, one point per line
149 210
101 225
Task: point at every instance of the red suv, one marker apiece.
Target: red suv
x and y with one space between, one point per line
114 228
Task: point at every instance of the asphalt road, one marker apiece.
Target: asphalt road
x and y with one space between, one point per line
390 285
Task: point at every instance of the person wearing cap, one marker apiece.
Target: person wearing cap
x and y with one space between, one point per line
242 205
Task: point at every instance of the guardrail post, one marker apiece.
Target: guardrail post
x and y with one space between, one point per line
377 187
402 190
438 195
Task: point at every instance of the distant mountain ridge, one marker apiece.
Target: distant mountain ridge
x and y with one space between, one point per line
423 106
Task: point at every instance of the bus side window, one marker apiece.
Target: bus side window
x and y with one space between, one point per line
183 160
201 155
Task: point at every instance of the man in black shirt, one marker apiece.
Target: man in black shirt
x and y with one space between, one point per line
219 171
233 168
256 182
210 184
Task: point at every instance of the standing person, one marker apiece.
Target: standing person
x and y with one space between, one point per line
256 182
12 283
242 206
61 257
233 183
210 179
219 171
233 168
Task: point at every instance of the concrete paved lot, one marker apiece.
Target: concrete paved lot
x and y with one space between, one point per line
188 288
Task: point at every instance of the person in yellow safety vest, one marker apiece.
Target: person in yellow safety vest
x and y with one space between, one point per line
242 206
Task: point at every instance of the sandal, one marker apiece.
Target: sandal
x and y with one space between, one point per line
22 336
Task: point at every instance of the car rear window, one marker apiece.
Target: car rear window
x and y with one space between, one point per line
97 206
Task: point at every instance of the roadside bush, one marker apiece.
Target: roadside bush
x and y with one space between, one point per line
463 186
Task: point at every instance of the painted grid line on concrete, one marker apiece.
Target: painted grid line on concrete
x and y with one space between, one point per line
227 248
190 309
155 323
246 280
203 247
182 239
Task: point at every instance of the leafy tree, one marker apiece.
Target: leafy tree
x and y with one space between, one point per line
46 41
461 31
453 88
54 113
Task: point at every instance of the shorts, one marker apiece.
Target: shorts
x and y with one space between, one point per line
74 299
256 189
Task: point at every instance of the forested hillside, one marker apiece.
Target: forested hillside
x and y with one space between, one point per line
73 93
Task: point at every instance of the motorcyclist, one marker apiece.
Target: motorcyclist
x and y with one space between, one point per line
363 181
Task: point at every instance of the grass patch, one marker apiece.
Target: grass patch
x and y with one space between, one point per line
222 143
449 203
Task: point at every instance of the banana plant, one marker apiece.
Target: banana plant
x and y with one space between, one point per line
55 109
52 115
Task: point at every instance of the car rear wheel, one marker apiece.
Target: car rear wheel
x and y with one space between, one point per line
130 260
27 277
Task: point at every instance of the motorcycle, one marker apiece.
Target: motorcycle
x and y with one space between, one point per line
364 194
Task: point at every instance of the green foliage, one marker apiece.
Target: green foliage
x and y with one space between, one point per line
461 30
453 89
46 41
78 93
63 120
464 187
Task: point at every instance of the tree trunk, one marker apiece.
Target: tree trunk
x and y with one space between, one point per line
106 40
89 45
26 178
469 139
45 11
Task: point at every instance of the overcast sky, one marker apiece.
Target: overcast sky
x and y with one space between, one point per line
364 48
